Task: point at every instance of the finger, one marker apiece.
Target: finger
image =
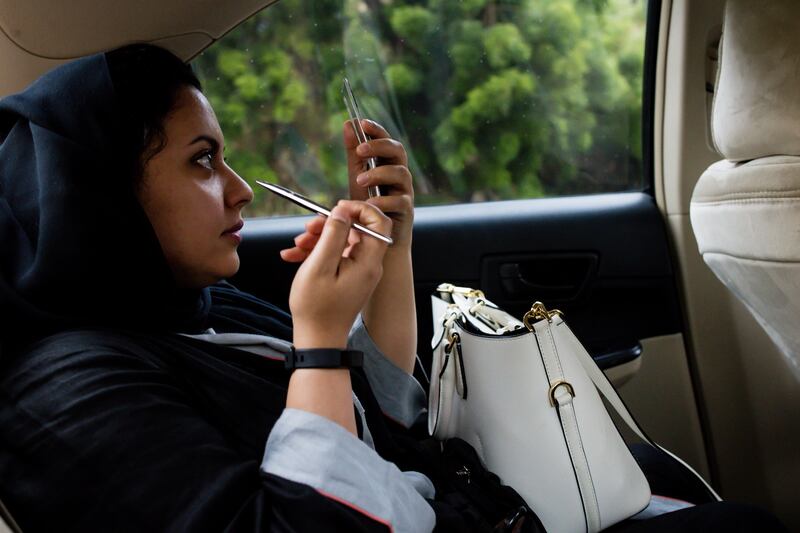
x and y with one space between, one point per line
314 225
352 240
389 150
328 251
309 239
371 217
373 129
294 255
350 138
402 204
355 164
357 192
397 177
306 241
354 237
366 215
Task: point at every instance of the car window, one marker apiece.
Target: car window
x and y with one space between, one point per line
492 99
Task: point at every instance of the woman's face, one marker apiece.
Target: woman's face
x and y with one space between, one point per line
192 197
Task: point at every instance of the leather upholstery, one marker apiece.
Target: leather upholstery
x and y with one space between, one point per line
756 109
745 210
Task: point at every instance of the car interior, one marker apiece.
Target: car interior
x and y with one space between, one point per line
685 288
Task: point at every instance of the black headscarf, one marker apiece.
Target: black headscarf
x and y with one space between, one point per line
76 247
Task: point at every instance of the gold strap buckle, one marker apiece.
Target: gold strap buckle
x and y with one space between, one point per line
552 392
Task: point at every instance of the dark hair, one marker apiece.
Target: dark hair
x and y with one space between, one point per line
147 81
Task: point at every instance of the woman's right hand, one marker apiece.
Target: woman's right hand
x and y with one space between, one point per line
331 286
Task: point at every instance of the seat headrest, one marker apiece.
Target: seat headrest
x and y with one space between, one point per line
756 110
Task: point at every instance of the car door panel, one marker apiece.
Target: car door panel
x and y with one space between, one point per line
603 260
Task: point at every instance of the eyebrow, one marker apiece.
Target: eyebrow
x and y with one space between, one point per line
210 140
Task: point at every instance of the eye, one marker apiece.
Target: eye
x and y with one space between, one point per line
206 159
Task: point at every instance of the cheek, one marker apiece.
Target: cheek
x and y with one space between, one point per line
188 222
193 223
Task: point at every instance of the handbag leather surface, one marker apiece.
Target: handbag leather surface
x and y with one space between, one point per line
526 395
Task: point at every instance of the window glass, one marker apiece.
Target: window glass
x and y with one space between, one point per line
492 99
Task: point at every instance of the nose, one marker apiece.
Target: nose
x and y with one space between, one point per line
237 192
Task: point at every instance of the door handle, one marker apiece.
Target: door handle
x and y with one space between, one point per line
515 282
549 277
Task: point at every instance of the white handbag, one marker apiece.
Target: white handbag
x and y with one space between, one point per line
524 394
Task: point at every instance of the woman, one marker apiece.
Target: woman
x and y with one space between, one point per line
132 396
139 394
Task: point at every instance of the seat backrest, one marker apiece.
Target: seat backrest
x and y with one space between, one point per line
745 210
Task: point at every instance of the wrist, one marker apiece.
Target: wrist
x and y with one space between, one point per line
324 392
305 339
399 253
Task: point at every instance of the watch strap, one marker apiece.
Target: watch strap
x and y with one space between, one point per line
324 358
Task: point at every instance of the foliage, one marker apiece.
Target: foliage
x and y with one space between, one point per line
493 99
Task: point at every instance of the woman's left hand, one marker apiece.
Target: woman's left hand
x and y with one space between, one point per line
390 312
392 175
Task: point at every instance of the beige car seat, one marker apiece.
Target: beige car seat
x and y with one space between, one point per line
745 210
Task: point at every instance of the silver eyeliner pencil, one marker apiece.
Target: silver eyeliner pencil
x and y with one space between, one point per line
311 205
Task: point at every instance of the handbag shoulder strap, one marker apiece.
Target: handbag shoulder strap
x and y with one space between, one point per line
6 522
608 392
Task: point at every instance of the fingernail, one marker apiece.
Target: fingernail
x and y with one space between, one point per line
362 149
361 179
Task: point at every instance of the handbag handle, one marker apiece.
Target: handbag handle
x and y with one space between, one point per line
474 308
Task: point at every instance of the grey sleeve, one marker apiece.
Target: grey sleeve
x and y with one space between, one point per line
307 448
399 394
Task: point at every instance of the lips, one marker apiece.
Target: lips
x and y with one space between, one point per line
236 227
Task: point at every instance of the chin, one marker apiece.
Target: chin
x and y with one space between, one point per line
209 273
230 266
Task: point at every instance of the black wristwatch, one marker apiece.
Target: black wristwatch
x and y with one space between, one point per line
324 358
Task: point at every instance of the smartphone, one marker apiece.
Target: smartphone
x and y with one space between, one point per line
311 205
355 119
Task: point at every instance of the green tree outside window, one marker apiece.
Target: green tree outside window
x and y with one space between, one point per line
493 99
